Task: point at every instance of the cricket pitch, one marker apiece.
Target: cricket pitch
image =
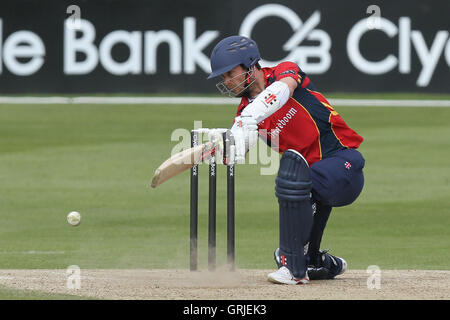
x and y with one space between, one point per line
243 284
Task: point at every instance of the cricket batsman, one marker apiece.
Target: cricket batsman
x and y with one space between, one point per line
320 167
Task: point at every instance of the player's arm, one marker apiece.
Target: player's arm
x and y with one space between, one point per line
291 83
269 100
272 98
245 128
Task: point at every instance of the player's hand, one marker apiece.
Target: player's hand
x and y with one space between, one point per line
215 136
248 122
245 132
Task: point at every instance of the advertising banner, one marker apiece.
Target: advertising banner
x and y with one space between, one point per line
137 46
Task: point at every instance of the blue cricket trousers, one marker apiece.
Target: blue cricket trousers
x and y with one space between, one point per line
338 180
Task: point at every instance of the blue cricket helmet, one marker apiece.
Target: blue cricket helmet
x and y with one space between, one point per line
231 52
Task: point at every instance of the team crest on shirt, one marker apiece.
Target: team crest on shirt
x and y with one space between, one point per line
347 165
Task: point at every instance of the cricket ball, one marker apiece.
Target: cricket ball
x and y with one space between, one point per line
74 218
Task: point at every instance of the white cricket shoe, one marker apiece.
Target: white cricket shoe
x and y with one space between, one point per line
284 276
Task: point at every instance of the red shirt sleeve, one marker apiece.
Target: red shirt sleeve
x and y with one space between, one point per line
289 69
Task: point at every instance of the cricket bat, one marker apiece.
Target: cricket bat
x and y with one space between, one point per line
182 161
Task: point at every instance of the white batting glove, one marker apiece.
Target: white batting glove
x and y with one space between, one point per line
215 136
245 132
239 145
248 122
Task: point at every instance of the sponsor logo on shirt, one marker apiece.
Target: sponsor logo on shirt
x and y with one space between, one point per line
288 72
281 123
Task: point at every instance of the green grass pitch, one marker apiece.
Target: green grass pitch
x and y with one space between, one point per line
99 159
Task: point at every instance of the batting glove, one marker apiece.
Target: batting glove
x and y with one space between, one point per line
245 132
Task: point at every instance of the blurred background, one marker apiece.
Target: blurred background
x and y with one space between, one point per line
140 46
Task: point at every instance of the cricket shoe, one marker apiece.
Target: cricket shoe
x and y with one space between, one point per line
277 257
326 266
284 276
